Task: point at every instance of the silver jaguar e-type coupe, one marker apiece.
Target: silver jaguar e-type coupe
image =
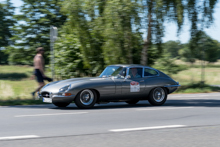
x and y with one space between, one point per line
117 83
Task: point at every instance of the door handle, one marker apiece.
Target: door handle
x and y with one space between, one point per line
142 81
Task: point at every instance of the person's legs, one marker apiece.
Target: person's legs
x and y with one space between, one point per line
40 81
41 84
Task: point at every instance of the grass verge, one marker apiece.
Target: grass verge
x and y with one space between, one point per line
197 88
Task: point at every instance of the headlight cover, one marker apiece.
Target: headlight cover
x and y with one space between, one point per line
65 88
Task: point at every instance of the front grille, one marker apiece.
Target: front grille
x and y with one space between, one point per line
45 94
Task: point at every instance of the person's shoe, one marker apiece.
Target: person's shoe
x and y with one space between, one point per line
33 95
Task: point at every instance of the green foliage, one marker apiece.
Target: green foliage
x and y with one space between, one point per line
168 66
204 48
3 57
6 24
6 21
33 29
199 13
84 19
105 30
120 39
68 59
172 47
187 54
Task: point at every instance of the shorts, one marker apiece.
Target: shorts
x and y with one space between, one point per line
39 76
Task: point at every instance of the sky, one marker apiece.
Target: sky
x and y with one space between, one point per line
171 28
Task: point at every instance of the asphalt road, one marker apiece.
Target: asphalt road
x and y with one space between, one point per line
185 120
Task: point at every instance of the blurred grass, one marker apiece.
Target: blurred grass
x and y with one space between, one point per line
197 88
16 85
193 75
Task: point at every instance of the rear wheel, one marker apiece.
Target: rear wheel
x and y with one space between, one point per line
61 104
86 99
132 102
158 96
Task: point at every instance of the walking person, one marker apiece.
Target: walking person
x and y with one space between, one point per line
39 69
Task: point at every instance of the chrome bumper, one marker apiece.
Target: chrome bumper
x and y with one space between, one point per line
58 98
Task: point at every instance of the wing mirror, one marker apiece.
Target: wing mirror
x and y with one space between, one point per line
128 77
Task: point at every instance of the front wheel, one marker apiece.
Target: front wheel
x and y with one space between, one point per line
61 104
86 99
158 96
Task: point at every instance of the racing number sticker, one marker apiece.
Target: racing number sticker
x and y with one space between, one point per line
135 86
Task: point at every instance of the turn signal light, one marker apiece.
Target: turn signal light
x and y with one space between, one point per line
68 94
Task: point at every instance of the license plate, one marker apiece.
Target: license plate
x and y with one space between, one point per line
47 100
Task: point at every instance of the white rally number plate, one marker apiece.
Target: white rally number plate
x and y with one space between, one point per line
47 100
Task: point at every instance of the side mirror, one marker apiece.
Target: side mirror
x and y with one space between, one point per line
128 77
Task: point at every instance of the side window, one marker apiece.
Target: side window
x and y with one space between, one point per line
135 72
150 72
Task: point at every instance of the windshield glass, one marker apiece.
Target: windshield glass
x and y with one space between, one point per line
114 71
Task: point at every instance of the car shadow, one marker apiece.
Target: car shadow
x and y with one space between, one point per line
141 104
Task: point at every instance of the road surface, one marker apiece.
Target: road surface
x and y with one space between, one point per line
184 120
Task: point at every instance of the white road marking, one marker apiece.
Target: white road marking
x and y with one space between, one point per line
150 109
18 137
50 114
146 128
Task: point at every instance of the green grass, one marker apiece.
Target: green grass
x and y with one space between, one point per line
193 75
197 88
15 82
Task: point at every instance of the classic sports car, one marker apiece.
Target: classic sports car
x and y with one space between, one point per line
128 83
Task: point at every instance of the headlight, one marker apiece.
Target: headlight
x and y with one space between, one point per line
65 88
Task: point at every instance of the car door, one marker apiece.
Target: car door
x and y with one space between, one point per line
151 79
134 85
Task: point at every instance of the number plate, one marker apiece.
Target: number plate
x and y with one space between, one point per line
47 100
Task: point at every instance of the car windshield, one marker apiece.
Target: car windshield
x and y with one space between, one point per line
114 71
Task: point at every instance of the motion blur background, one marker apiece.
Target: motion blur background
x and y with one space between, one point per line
178 37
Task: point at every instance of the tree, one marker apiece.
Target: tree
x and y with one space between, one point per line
68 59
207 49
33 29
172 47
121 31
7 22
105 30
199 14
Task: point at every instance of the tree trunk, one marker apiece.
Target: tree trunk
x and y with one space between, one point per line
148 40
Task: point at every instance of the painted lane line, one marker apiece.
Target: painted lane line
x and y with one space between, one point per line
150 109
50 114
146 128
19 137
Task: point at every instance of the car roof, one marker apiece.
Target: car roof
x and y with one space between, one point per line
131 65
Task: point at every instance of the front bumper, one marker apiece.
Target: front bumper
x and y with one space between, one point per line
54 98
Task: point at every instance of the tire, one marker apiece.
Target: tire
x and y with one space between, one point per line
132 102
158 96
86 99
61 104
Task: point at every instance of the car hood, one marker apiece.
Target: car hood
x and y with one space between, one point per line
55 86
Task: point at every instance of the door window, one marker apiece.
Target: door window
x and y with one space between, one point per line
135 72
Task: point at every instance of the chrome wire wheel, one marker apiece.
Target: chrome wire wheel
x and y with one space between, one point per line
159 94
86 97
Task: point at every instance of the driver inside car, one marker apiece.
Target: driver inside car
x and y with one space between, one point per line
134 73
